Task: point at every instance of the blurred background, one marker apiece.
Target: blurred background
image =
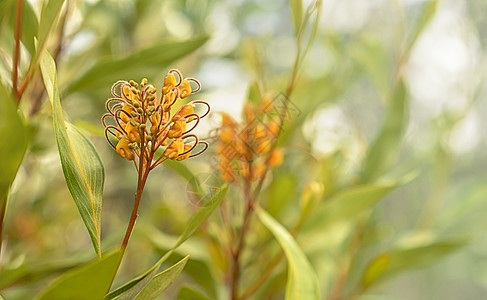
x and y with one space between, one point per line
343 96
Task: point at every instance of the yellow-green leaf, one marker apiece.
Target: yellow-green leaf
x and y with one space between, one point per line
375 269
385 149
15 139
139 64
49 15
89 281
82 166
395 261
425 16
133 287
302 281
189 293
297 14
347 204
161 281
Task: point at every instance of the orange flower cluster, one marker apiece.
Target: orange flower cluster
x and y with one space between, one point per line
246 150
143 123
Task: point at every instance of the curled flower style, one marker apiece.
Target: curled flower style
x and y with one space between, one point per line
144 126
246 150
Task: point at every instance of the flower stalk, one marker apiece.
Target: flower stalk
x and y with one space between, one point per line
147 130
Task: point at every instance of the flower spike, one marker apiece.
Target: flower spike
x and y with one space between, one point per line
143 123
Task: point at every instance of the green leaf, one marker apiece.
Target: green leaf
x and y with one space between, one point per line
133 287
30 272
15 139
49 15
194 247
201 215
385 149
5 10
189 293
181 169
161 281
82 166
373 56
138 64
393 262
253 93
89 281
30 23
425 16
347 204
281 191
470 201
29 26
302 281
297 14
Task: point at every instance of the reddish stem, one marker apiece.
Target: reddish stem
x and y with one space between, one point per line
16 58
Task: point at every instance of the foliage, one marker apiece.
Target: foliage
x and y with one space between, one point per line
335 182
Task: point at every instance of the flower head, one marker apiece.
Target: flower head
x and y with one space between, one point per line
142 122
246 150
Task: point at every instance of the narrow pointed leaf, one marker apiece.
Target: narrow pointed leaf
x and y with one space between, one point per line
302 281
132 288
373 56
138 64
348 203
82 166
425 16
254 94
384 266
385 149
161 281
201 215
89 281
188 293
297 14
28 273
15 139
49 15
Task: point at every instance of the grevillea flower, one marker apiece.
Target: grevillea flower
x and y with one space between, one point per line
246 150
143 123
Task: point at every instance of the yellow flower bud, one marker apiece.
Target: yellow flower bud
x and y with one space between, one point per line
226 170
227 121
266 104
169 83
174 149
183 112
260 131
263 147
258 171
119 134
249 112
227 135
155 120
273 128
177 129
124 150
169 100
244 168
186 148
132 133
127 92
184 89
127 108
275 158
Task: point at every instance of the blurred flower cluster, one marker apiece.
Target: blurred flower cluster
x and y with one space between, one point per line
246 150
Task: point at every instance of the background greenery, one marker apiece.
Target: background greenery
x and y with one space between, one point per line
391 98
